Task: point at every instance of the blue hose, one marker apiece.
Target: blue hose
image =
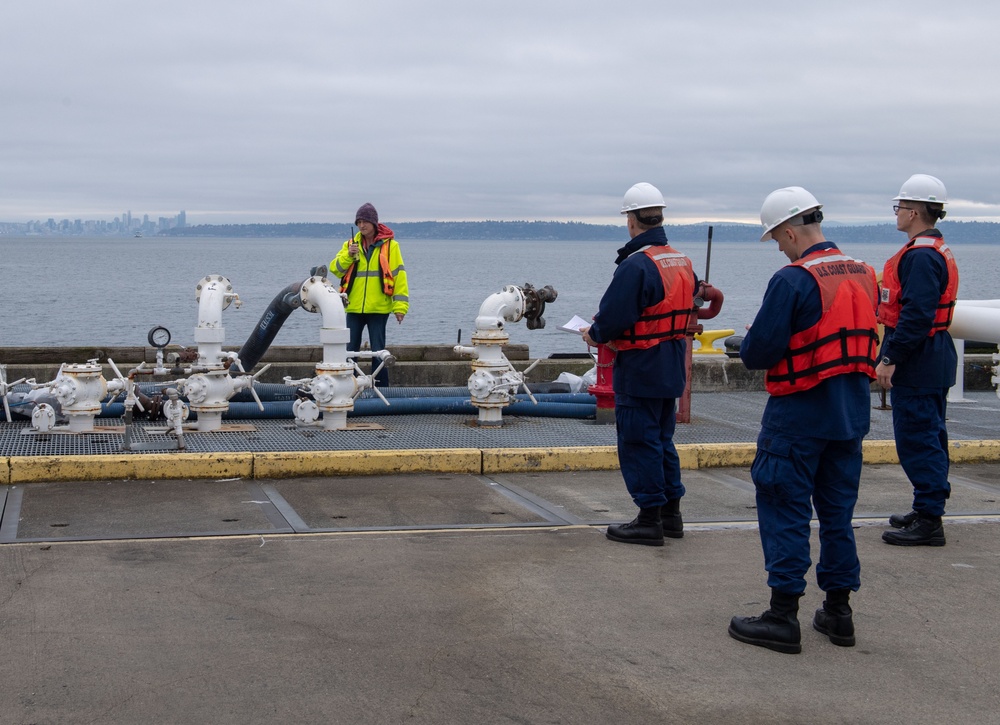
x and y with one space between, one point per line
408 406
282 409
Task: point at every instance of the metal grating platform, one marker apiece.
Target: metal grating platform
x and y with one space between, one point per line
400 432
716 418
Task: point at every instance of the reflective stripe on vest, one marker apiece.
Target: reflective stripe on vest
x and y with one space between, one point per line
844 340
891 290
669 318
388 280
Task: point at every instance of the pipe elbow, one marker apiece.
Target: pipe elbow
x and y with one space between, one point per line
318 295
214 293
210 310
500 306
714 297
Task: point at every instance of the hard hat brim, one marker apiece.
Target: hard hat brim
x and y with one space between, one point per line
638 208
767 233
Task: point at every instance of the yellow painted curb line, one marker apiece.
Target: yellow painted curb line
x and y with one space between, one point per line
960 451
591 458
152 466
974 451
163 466
366 463
876 452
579 458
717 455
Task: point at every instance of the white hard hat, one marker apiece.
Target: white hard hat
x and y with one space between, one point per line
783 204
642 196
923 187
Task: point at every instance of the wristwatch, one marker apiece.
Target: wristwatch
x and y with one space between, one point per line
886 361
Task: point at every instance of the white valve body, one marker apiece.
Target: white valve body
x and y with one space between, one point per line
80 390
335 386
208 395
493 378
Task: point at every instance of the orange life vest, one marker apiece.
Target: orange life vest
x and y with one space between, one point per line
388 281
889 298
844 340
667 319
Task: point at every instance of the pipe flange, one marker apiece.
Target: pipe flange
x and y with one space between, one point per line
305 412
83 369
490 338
307 304
43 418
215 278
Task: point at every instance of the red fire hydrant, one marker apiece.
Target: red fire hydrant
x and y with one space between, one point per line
602 389
605 394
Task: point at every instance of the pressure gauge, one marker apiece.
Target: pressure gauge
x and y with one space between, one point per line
159 336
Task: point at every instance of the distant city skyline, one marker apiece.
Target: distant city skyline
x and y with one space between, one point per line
121 225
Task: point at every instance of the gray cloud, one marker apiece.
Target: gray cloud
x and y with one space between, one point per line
258 111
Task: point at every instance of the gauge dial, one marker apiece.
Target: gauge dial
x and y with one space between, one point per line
159 336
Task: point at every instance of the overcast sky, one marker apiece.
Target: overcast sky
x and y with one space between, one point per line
244 111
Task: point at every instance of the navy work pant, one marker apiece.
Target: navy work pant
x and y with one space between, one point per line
792 475
646 452
356 323
918 423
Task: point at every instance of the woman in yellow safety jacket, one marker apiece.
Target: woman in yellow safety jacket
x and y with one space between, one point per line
371 272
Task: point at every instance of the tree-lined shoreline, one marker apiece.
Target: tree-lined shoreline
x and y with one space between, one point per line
954 232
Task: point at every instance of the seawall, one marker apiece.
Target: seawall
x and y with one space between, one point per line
419 365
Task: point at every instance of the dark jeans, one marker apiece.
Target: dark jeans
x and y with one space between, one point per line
356 323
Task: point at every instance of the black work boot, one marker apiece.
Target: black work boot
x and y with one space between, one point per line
777 628
643 529
834 618
901 521
670 516
923 531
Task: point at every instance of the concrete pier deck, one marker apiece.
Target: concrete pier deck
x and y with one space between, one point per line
479 597
722 432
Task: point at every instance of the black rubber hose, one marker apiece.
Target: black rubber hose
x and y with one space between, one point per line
267 327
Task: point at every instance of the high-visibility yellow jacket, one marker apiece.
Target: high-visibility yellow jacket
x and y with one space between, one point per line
375 282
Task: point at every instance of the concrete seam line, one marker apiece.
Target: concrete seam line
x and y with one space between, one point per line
306 535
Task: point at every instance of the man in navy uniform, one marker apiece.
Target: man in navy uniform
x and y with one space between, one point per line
815 335
644 316
919 361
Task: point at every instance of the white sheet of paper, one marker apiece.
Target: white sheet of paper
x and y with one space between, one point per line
576 324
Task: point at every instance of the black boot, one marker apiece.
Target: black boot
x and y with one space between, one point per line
670 516
901 521
834 618
923 531
777 628
643 529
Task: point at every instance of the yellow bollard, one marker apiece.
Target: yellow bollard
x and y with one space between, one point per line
707 340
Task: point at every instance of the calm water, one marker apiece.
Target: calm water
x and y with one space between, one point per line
107 291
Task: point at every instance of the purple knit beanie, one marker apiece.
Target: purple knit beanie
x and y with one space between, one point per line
366 213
